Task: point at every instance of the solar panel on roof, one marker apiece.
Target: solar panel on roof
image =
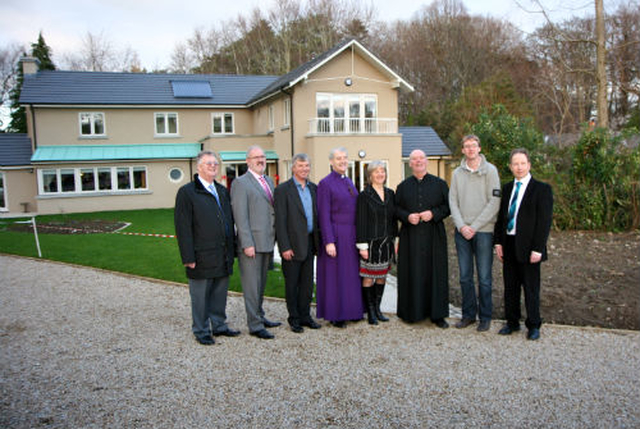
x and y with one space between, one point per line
191 89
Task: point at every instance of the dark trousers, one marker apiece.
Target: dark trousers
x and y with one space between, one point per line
519 275
298 280
208 305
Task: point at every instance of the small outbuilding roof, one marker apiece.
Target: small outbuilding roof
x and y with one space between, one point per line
424 138
15 149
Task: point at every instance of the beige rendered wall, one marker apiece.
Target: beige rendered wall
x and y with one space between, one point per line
20 187
60 126
330 79
161 193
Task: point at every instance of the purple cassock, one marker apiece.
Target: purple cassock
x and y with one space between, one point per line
338 293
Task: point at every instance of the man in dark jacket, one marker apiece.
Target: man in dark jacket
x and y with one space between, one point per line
520 239
297 235
204 227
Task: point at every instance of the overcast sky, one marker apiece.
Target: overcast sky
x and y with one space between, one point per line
152 28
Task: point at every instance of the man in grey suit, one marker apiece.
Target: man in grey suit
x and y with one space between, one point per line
297 235
204 227
253 212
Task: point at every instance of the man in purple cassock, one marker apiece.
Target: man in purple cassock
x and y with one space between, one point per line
339 297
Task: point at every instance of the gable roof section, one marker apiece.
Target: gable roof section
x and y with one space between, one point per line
424 138
302 72
115 152
15 149
106 88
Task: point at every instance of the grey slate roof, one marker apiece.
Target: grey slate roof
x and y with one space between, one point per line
424 138
15 149
105 88
284 80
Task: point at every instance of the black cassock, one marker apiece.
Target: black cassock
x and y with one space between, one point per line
423 275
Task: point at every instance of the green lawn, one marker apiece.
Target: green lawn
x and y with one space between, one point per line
144 256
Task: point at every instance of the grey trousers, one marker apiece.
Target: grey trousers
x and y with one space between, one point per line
208 305
253 275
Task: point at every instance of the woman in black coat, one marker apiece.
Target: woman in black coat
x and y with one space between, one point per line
376 229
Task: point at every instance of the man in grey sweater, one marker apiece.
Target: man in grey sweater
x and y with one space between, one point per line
474 199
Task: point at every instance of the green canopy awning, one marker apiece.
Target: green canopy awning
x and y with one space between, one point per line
115 152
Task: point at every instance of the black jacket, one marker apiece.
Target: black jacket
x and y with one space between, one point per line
533 222
291 222
205 233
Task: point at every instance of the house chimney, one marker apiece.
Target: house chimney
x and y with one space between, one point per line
29 65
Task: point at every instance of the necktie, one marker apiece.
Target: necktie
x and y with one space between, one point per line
512 208
263 182
212 189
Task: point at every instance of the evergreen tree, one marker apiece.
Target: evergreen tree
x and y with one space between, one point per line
42 52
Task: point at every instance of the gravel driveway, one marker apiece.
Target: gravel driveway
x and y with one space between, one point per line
85 348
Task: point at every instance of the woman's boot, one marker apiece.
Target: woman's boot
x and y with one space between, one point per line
370 304
379 291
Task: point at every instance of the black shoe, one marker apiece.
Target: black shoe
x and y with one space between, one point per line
379 292
484 325
297 328
311 324
227 333
508 330
465 322
533 334
441 323
270 324
339 324
263 334
206 340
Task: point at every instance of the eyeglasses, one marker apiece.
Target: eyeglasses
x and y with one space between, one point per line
215 164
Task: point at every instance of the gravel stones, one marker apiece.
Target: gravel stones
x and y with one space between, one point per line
86 348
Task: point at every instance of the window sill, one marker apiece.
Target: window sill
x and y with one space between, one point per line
285 127
167 136
92 194
101 137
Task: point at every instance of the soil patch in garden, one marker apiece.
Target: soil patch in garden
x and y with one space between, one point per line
86 226
590 279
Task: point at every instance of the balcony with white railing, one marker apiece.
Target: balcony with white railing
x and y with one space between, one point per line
335 126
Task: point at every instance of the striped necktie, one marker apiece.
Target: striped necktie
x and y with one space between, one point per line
265 186
512 208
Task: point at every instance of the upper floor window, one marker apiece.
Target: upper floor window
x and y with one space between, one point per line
92 124
222 123
271 118
346 113
287 112
166 124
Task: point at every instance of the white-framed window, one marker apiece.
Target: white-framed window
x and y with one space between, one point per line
346 113
272 121
92 180
286 112
3 193
92 124
222 123
166 124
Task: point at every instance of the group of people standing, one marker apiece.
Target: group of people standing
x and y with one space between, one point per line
354 237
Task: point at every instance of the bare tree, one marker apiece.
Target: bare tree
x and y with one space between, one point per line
99 54
9 57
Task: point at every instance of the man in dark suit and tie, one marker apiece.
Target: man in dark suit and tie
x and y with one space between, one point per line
204 228
297 235
520 238
253 212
